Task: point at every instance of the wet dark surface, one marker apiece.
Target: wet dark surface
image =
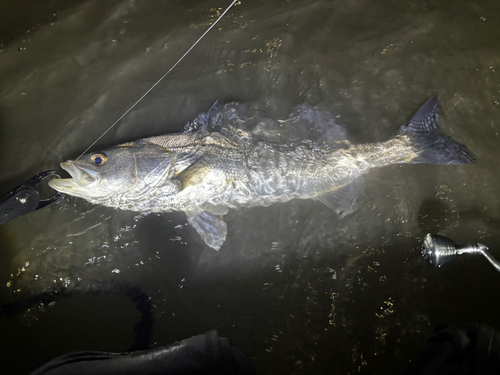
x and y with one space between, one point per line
300 289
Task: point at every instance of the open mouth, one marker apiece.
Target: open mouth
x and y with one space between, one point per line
80 178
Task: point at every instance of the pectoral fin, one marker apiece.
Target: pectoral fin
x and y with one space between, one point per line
212 229
343 199
194 175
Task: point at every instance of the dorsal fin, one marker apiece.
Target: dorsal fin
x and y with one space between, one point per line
205 120
170 142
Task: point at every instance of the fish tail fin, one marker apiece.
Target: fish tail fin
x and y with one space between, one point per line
431 145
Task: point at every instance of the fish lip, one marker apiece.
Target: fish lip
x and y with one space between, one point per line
81 177
84 177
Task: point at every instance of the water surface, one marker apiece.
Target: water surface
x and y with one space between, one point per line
299 288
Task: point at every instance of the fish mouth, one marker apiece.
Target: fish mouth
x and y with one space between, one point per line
81 178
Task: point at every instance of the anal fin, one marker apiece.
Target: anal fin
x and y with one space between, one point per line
343 199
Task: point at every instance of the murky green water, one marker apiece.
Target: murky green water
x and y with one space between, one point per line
300 289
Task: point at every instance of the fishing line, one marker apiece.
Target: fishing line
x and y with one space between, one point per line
157 82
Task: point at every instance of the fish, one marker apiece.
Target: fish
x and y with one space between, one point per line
216 164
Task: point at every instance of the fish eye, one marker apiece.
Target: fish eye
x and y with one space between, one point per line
99 158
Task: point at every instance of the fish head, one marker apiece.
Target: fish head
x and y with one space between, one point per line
124 169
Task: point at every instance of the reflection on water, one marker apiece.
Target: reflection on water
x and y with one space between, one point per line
299 288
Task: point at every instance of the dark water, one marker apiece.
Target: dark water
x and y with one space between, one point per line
299 288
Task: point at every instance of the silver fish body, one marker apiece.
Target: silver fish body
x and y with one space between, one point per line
209 170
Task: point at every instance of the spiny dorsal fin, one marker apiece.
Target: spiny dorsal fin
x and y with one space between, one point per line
205 120
171 142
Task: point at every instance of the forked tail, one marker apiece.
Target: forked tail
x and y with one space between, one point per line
431 145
